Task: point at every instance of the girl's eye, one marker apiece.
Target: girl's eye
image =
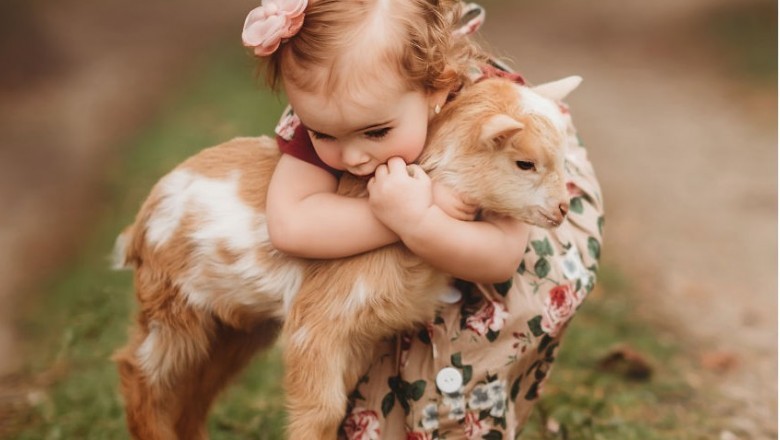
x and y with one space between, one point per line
378 133
525 165
320 136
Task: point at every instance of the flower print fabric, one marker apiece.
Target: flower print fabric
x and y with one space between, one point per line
559 306
489 318
362 424
288 123
501 338
474 428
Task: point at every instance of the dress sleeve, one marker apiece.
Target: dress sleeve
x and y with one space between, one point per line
292 139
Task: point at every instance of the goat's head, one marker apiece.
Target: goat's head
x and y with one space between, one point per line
502 145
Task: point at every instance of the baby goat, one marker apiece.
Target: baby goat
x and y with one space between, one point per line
212 291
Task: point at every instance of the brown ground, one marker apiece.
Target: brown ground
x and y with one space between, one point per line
687 154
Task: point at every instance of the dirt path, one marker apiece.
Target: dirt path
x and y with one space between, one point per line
688 161
686 156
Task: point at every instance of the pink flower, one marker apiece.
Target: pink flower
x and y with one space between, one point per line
362 424
560 305
269 24
473 427
490 317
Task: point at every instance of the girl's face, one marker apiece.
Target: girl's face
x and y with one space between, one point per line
358 131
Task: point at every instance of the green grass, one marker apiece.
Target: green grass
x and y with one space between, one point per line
82 315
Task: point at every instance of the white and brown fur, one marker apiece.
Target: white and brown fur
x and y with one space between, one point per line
212 291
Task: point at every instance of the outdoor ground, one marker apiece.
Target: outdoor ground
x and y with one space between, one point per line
678 109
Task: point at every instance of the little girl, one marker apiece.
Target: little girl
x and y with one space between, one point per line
364 78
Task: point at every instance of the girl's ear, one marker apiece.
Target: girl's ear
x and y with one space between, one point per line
436 101
499 126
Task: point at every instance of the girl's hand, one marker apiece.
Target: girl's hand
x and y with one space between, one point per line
398 199
453 204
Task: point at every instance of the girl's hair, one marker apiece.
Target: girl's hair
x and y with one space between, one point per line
349 38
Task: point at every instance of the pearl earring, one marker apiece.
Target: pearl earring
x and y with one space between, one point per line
437 109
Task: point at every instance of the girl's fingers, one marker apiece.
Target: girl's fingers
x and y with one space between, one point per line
418 173
396 165
380 171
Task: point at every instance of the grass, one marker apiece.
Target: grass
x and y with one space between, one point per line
82 315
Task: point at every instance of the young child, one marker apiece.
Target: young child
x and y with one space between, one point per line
364 78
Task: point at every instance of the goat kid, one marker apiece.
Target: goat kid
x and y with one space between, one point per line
212 290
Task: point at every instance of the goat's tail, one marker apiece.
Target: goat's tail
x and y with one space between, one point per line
122 256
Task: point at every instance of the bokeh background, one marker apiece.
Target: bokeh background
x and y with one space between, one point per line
98 99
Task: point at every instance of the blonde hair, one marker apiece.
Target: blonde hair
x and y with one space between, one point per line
349 37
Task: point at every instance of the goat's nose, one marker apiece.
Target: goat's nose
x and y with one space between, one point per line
564 207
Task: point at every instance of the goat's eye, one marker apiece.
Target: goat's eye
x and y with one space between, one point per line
525 165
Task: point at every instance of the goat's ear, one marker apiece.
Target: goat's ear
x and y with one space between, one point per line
557 90
500 126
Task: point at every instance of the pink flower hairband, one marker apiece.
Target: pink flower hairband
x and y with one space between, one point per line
271 23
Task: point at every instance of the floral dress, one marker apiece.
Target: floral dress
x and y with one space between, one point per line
476 371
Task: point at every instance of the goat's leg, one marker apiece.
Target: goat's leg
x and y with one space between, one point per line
316 395
320 369
231 351
155 368
170 377
150 406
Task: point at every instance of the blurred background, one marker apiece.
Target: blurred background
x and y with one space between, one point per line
678 109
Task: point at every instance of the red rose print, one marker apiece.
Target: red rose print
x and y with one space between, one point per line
490 317
362 424
559 308
474 427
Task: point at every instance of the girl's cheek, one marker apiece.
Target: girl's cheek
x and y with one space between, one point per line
415 142
330 155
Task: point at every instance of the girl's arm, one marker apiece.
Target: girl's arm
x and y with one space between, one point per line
486 251
307 219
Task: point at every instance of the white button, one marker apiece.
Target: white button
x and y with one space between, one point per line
451 295
449 380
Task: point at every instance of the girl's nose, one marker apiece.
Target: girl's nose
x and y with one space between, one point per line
353 157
